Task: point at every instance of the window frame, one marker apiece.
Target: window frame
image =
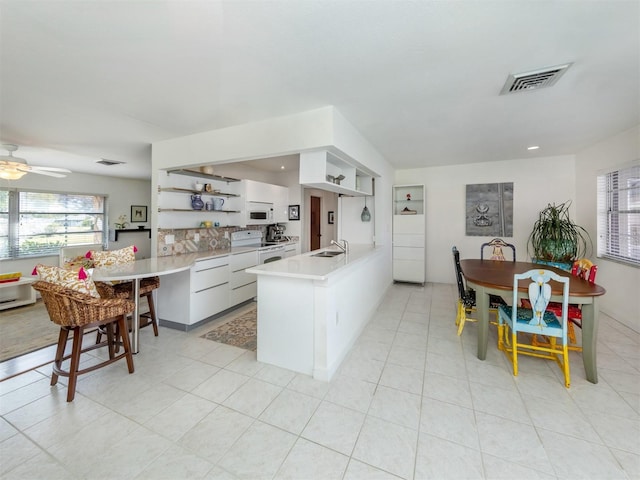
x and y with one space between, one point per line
13 222
618 225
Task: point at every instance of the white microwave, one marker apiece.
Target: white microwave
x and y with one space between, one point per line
259 213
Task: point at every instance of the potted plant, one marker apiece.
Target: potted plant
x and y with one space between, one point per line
555 238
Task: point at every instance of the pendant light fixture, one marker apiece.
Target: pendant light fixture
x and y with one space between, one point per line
365 216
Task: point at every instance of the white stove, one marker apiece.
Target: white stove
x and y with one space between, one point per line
267 252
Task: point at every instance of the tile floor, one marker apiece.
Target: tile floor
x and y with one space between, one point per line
411 401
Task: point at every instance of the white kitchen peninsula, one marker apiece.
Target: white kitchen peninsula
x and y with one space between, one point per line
312 309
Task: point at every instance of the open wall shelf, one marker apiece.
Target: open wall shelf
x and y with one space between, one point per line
197 173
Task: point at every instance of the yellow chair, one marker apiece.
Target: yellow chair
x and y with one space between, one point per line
537 320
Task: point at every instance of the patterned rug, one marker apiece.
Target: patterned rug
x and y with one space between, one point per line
239 331
26 329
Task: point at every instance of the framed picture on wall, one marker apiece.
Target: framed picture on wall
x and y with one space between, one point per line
331 218
294 212
138 213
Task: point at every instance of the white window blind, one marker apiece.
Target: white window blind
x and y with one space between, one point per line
39 223
4 221
619 215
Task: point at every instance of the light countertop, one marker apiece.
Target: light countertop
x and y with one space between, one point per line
306 266
165 265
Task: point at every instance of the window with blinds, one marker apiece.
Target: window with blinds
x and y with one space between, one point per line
619 215
39 223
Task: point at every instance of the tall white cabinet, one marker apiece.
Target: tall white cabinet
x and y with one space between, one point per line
409 233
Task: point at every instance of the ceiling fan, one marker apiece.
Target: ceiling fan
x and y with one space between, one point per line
13 168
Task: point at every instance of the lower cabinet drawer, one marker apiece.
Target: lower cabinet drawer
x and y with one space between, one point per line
242 294
210 277
240 278
209 302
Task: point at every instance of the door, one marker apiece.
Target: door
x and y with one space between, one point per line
316 210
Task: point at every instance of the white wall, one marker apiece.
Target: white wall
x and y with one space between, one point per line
352 227
315 129
536 183
121 194
621 281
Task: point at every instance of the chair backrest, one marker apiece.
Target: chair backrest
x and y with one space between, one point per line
497 254
539 292
585 269
462 292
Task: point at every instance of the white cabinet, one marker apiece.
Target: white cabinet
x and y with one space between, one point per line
195 294
280 204
291 249
409 233
322 169
257 191
242 285
276 195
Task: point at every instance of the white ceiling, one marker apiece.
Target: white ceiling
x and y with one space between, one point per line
84 80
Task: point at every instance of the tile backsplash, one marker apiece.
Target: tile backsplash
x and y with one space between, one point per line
209 239
184 240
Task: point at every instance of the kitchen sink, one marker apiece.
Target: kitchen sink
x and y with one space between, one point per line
326 254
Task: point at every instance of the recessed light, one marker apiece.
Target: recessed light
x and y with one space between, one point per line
533 147
281 167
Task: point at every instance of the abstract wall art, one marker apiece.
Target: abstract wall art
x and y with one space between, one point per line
489 210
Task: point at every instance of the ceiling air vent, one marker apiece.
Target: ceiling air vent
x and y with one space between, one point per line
108 163
533 80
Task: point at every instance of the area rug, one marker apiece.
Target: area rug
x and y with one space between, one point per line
26 329
240 331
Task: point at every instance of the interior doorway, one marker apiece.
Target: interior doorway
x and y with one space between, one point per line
314 224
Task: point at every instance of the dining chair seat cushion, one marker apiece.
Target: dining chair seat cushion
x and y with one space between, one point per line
525 315
573 311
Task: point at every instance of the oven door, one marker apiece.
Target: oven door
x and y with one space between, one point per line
270 254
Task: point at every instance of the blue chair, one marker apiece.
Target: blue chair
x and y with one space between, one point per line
537 320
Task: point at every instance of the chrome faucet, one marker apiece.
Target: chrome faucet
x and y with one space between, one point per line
344 248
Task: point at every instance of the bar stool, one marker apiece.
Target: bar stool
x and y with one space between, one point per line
76 312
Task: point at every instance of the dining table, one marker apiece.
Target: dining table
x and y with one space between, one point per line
495 277
135 271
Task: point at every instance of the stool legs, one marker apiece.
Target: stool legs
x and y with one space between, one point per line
152 313
124 333
63 336
76 349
